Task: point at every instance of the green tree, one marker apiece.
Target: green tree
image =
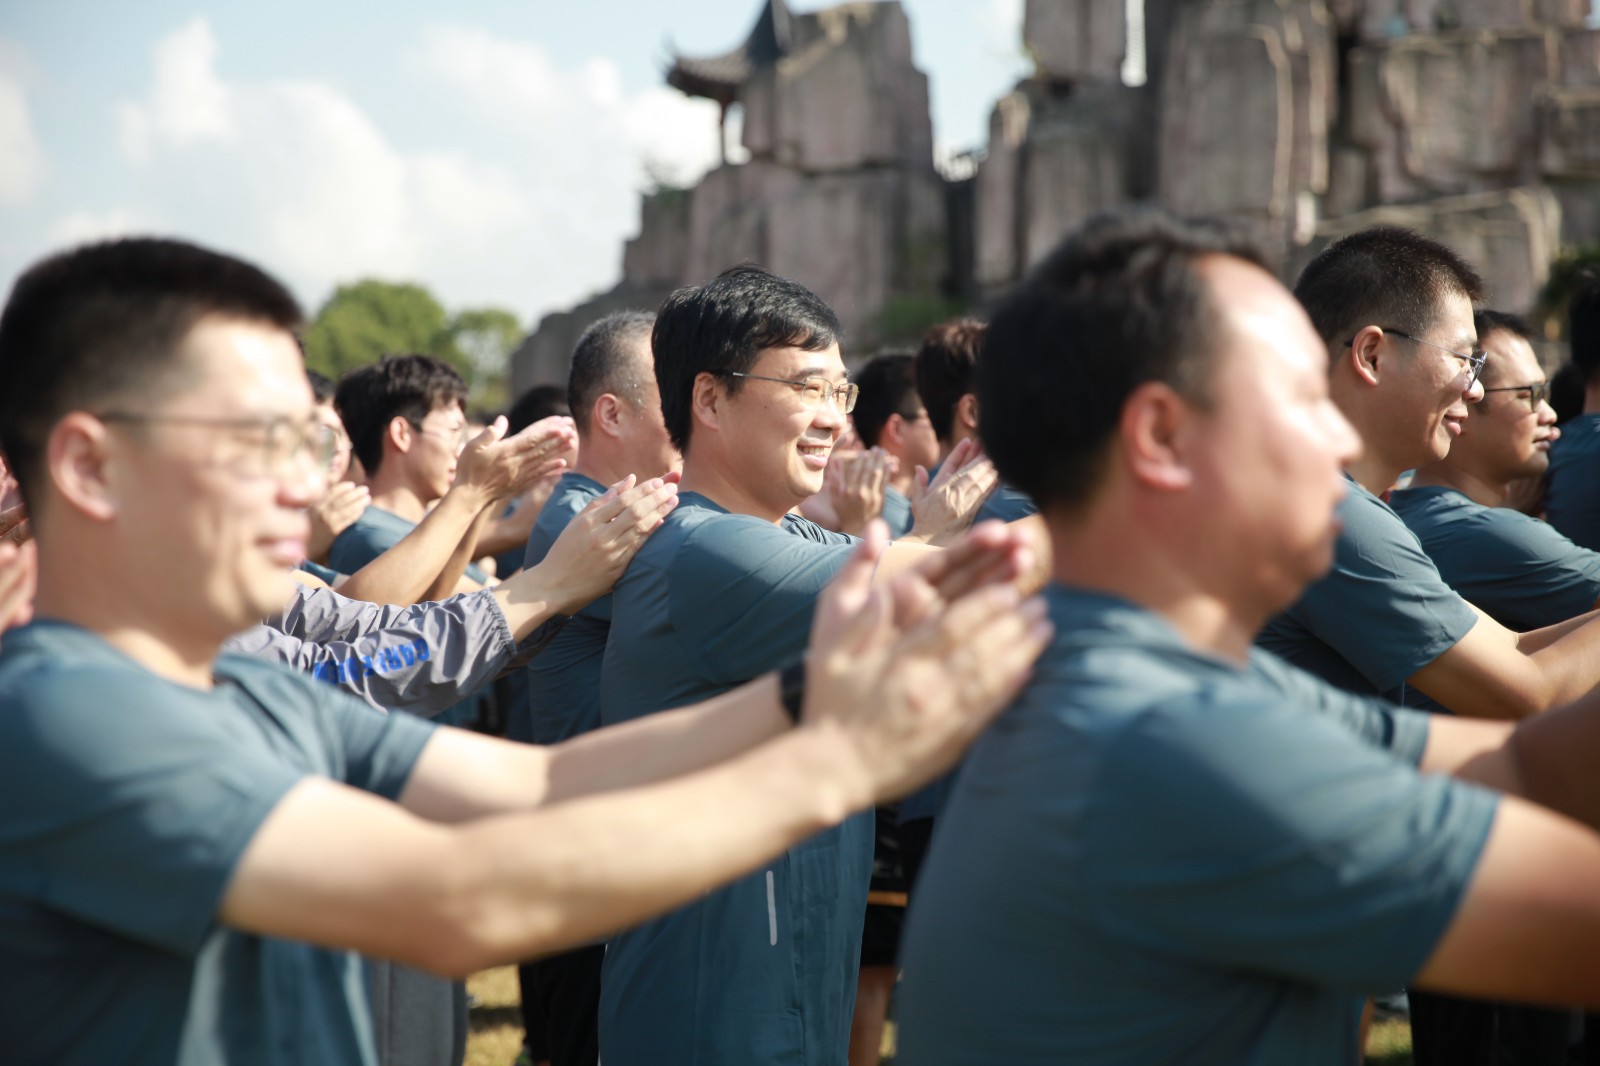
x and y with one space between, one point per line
485 337
367 319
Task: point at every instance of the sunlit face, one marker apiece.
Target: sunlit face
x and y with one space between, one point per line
327 416
1272 445
1508 436
204 497
430 463
1430 394
918 444
777 445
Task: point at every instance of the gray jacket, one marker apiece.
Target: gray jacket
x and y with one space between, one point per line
418 659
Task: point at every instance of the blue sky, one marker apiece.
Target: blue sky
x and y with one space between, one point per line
490 150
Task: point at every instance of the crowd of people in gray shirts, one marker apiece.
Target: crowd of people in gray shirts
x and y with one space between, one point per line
1155 672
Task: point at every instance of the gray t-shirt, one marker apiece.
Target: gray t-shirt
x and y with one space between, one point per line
1572 501
897 512
1517 569
1156 856
126 801
764 970
1379 615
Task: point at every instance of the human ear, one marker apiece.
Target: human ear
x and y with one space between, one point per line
706 399
1153 423
400 434
607 413
967 411
1363 354
80 459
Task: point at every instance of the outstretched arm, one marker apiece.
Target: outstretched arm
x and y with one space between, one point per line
895 689
429 562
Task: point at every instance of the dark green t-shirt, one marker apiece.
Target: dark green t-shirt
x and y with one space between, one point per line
1378 616
1158 857
1517 569
563 690
125 802
764 970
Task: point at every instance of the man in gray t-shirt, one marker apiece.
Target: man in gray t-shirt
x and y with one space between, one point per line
1174 847
1519 570
192 845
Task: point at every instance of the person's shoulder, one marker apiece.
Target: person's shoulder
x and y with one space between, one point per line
1430 502
376 530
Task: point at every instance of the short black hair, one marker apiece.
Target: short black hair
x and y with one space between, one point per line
101 325
1117 305
321 386
1486 321
602 362
723 326
1382 276
888 385
1583 326
944 369
538 403
406 386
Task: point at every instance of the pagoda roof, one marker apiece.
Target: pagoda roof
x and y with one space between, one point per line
720 77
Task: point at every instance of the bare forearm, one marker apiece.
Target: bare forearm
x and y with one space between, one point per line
452 575
662 746
1569 663
1538 639
412 570
534 883
507 532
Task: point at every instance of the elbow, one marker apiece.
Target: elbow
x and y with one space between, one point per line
470 924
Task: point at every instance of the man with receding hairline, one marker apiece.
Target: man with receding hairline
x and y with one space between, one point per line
195 846
1175 847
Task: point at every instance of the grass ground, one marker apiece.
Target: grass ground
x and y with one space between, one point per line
497 1027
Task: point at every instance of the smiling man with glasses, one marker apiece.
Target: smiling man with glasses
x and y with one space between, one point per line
754 393
1383 621
1519 570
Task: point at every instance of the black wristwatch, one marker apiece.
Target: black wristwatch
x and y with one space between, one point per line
792 688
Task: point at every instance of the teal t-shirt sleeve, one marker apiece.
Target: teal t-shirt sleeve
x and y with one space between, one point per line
1383 606
359 544
1379 723
1521 571
132 821
743 592
1236 836
380 750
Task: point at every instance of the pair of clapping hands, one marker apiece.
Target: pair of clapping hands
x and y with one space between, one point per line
493 467
906 672
942 507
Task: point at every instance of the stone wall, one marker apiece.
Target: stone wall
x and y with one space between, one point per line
1478 120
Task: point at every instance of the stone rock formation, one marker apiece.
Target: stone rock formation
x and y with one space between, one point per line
1476 121
839 193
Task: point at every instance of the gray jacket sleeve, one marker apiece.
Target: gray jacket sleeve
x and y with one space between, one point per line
420 659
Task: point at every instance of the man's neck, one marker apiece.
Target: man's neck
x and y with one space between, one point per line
1375 474
398 497
948 446
708 481
1488 492
1130 560
594 464
69 593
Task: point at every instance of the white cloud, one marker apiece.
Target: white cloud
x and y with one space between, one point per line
22 160
526 206
81 227
188 101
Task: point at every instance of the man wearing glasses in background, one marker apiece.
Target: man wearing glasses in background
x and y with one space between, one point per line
754 394
1395 310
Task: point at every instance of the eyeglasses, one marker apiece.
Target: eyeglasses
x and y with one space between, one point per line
812 390
456 437
1538 392
1474 362
282 442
